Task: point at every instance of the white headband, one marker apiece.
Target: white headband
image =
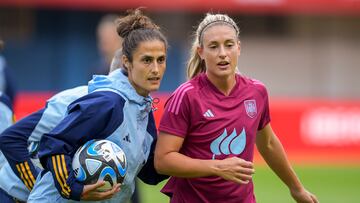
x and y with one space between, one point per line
217 21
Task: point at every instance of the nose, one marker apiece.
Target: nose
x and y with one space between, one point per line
155 68
222 52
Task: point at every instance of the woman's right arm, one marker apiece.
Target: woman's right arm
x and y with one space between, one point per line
169 161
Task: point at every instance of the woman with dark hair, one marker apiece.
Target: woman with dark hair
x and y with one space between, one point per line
117 106
25 136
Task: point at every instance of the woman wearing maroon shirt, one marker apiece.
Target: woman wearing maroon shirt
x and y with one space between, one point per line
212 122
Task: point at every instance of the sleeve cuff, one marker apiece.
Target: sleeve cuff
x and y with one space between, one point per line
76 191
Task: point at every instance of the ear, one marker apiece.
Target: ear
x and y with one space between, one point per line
239 47
200 51
126 62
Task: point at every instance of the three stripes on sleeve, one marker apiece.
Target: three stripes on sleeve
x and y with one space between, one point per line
58 166
26 175
61 173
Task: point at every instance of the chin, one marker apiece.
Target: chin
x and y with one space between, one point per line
153 88
225 73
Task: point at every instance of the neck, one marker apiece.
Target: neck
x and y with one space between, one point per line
223 84
140 91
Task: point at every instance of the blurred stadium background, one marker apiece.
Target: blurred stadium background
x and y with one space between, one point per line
306 52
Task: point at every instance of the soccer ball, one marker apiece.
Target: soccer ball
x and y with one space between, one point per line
100 160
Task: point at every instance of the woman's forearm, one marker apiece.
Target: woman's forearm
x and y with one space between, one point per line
176 164
275 156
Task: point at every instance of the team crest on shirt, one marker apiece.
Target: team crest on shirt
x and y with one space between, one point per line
250 107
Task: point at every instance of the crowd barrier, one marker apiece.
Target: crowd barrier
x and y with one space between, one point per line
315 131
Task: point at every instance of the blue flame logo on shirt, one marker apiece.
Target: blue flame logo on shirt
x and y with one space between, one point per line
229 144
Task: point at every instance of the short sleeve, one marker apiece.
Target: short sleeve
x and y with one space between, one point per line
176 116
265 114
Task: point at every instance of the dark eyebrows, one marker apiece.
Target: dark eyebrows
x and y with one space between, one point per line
152 57
162 56
147 57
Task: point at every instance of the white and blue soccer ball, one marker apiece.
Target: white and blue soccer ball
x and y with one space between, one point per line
100 160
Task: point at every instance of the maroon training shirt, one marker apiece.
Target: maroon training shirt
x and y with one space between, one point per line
215 126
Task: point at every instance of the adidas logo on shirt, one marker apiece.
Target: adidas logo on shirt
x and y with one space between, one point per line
209 114
76 171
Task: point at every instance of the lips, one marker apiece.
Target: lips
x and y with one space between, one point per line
154 78
223 63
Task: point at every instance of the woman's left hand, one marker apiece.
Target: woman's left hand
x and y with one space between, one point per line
304 196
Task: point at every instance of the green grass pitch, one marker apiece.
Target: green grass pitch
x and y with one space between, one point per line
330 184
